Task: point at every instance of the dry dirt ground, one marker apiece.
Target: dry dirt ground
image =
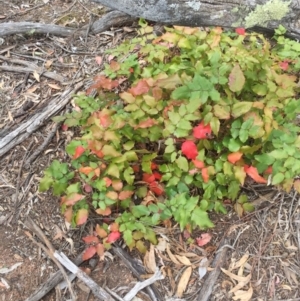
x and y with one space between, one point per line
263 247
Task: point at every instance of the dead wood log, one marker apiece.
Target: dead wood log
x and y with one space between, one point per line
110 19
25 129
262 14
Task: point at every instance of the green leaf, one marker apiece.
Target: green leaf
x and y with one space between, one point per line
248 207
236 80
151 236
278 178
140 210
215 125
128 175
222 112
113 170
182 163
201 219
233 145
45 183
127 235
241 108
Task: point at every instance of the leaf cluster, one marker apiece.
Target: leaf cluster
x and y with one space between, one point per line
201 112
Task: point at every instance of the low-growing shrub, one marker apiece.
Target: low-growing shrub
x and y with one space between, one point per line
180 122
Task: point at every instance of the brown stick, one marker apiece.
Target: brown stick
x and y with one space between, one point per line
137 271
112 18
218 262
25 129
98 291
52 282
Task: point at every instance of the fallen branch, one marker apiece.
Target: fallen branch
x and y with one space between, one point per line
141 285
137 271
110 19
218 262
98 291
52 282
25 129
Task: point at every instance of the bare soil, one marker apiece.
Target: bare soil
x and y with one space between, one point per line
269 238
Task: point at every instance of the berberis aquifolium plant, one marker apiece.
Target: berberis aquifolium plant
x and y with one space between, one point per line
180 122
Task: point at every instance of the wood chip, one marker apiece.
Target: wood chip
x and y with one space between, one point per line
183 282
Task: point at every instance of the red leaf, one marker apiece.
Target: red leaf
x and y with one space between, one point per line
87 188
89 253
269 170
140 88
234 157
85 170
284 65
78 152
81 216
113 236
100 250
100 231
202 131
123 195
64 127
136 168
252 172
112 195
90 239
146 124
241 31
205 175
199 164
105 118
156 188
189 149
114 227
68 214
203 239
154 166
108 181
148 178
105 212
117 185
73 198
115 66
157 175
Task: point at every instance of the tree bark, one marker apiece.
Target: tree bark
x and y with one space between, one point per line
259 14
